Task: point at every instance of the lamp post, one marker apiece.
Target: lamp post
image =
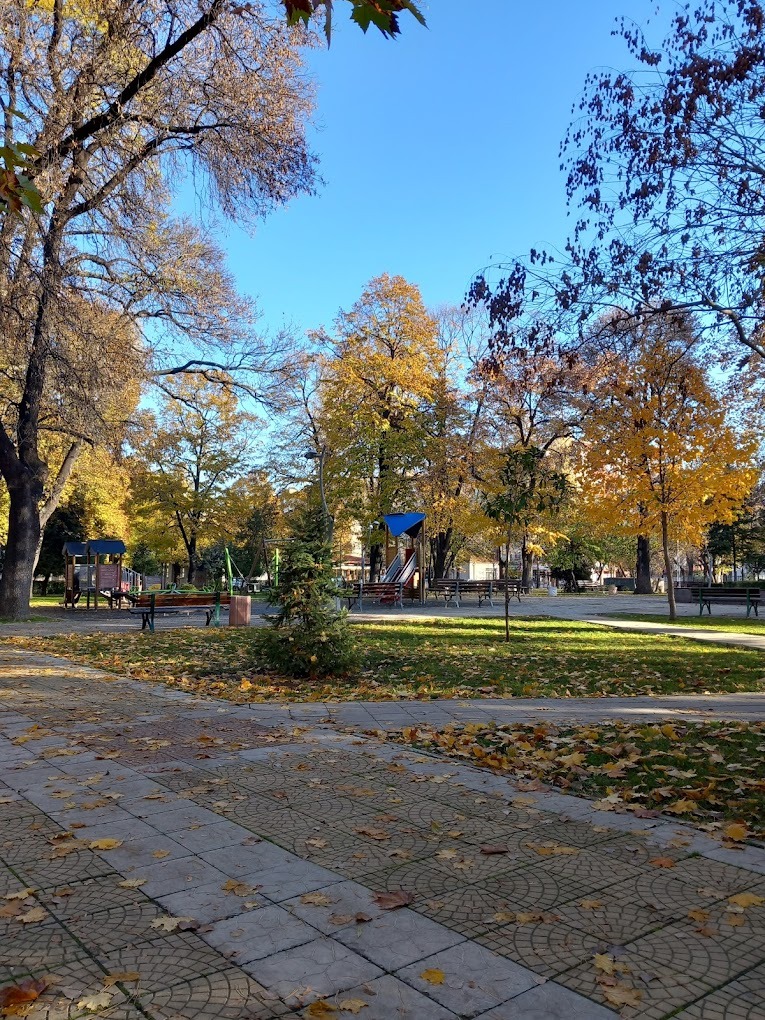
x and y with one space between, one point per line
328 520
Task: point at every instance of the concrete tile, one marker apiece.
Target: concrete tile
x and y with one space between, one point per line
258 933
181 815
142 852
201 838
311 971
387 998
178 875
292 878
236 861
475 979
398 938
549 1002
346 900
210 902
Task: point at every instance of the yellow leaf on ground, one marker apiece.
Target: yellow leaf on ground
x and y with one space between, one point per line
170 923
104 844
702 916
590 904
746 899
604 962
96 1002
352 1005
734 920
433 976
736 831
320 1008
22 894
662 862
132 883
160 854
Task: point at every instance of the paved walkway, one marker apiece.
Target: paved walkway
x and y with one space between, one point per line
715 637
166 856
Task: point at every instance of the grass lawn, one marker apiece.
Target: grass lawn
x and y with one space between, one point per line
734 624
430 659
706 773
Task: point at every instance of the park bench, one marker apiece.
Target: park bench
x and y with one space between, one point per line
590 586
455 589
749 597
391 593
167 603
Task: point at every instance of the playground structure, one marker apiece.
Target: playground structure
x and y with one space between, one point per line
94 568
399 581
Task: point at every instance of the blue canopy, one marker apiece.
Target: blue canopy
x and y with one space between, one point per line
106 547
404 524
74 549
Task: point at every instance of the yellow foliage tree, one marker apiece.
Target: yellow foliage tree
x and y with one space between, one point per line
659 454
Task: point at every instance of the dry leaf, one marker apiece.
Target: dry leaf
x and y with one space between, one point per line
662 862
96 1002
352 1005
736 831
621 995
394 900
590 904
702 916
733 920
21 894
237 888
604 962
504 917
746 899
371 833
123 975
132 883
316 899
14 998
33 916
104 844
433 976
170 923
495 850
320 1008
160 854
318 843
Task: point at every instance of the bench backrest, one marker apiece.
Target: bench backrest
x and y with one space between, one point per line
738 593
186 598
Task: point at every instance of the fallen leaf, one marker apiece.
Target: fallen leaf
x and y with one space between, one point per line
123 975
433 976
352 1005
736 831
104 844
590 904
320 1008
237 888
21 894
316 899
702 916
504 917
13 998
96 1002
318 843
33 916
372 833
621 995
170 923
662 862
394 900
132 883
604 962
746 899
733 920
489 850
160 854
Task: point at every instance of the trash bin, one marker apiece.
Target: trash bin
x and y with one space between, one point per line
239 611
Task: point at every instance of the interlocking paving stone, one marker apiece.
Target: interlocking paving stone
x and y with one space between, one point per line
611 922
546 947
549 1002
144 852
226 995
388 998
174 876
45 945
346 900
209 902
292 878
75 867
474 979
319 968
742 999
258 933
164 961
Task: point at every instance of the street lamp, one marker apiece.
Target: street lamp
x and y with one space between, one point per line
328 521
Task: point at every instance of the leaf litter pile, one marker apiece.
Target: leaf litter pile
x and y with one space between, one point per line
709 774
424 659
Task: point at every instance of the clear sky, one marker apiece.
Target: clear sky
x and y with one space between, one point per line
439 151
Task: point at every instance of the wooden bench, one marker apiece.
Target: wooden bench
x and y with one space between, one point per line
749 597
390 593
167 603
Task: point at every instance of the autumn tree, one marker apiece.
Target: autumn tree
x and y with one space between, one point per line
378 371
191 455
659 453
120 107
526 494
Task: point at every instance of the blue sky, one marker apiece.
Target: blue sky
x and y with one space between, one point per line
439 151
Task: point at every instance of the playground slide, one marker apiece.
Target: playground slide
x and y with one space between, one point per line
391 574
407 572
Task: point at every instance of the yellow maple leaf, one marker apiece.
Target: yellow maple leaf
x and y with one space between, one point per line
746 899
736 831
621 995
33 916
433 976
604 962
352 1005
121 975
132 883
590 904
104 844
316 899
320 1008
159 854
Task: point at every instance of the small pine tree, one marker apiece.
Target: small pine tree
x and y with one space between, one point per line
309 637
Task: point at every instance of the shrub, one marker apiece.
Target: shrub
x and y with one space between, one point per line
309 637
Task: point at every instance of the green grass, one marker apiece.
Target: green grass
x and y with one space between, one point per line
706 773
734 624
430 659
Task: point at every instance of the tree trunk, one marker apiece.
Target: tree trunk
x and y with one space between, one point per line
668 566
439 545
23 537
643 566
507 596
527 560
375 561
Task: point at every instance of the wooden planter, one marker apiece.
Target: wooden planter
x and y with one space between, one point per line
239 611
